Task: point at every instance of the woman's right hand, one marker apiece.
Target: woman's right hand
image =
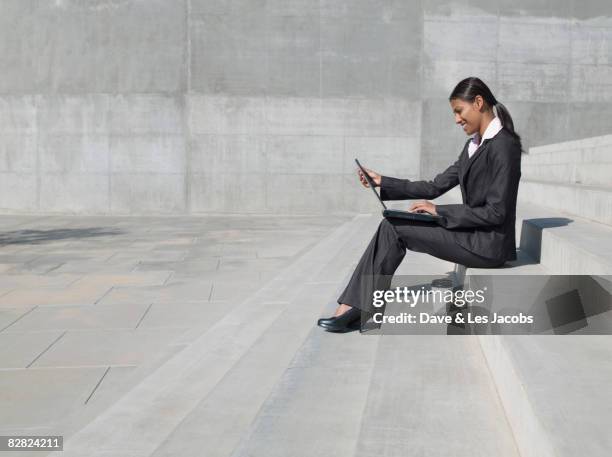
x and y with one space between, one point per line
375 177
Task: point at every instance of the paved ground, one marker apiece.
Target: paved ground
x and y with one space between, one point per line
88 305
157 337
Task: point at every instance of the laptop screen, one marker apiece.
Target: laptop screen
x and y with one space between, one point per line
371 183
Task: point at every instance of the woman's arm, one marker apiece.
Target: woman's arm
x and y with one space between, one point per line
404 189
506 172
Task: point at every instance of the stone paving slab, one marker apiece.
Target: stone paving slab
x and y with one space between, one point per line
107 347
236 271
99 266
151 278
4 267
192 291
141 255
71 295
18 257
21 349
112 381
187 268
201 315
9 282
50 393
234 289
8 316
81 317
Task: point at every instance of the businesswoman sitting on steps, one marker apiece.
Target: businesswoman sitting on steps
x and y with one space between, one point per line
476 233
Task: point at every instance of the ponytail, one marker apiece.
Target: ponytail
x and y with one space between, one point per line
469 88
506 120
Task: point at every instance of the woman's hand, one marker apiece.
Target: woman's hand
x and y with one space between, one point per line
424 207
375 177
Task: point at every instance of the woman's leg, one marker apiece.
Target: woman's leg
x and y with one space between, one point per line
386 251
379 262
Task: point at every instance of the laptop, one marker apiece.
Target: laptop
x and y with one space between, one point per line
396 213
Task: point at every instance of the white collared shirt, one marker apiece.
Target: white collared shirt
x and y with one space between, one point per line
492 129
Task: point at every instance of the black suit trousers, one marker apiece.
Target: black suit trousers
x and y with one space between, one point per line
387 249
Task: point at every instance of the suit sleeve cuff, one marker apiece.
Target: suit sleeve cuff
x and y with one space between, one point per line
444 211
384 184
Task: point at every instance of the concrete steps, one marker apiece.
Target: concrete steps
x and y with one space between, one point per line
564 229
367 395
586 162
564 213
572 177
348 395
596 174
218 423
139 422
555 389
588 202
564 244
267 381
554 242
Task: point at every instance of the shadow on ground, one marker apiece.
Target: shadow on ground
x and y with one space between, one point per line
42 236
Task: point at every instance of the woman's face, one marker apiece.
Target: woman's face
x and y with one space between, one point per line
468 114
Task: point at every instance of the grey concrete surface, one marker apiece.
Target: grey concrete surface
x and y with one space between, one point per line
554 389
70 346
590 202
546 420
166 377
143 418
303 398
571 177
584 161
192 106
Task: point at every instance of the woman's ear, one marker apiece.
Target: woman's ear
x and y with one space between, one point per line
478 103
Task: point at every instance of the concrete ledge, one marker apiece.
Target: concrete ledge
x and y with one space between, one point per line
564 244
586 162
585 143
587 174
529 433
550 241
554 390
592 203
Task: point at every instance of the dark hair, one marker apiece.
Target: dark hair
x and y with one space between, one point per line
469 88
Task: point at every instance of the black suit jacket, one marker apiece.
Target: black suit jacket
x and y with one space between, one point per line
484 223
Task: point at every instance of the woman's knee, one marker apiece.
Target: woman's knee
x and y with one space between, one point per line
387 231
386 226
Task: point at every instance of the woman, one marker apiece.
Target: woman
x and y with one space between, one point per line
477 233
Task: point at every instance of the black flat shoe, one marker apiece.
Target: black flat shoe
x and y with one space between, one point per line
325 321
345 322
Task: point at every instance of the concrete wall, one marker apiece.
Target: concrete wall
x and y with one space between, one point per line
190 106
548 61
